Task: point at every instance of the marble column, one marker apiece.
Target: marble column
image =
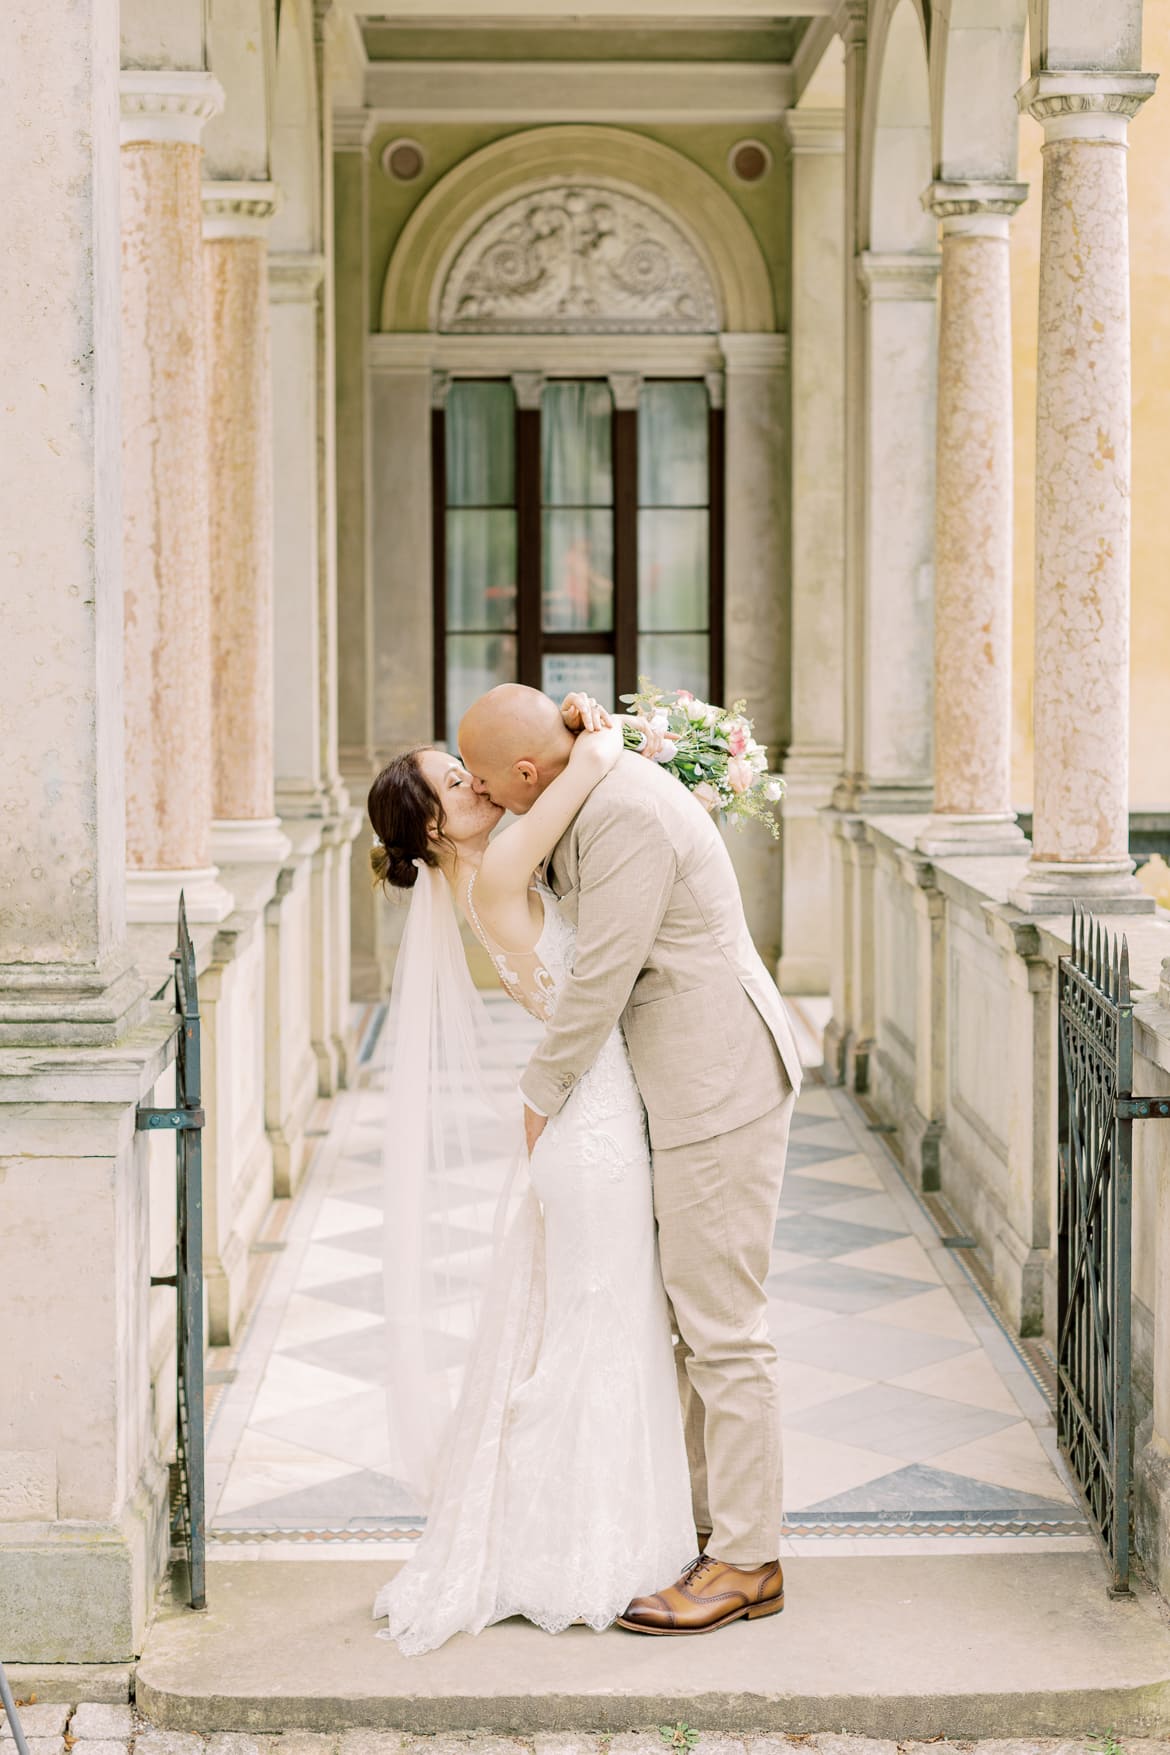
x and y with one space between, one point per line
973 525
1080 833
65 974
812 766
890 761
169 746
235 224
756 607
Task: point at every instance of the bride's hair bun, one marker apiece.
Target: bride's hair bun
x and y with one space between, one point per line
402 807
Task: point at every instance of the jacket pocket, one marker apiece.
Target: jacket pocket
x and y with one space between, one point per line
680 1053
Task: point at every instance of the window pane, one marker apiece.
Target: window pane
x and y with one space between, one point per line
676 661
475 663
576 433
589 671
481 569
480 432
672 569
672 445
578 572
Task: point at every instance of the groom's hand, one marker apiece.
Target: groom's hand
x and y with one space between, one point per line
534 1126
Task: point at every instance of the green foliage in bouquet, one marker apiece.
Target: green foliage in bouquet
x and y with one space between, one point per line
712 751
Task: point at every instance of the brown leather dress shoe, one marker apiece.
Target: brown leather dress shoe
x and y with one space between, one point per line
709 1594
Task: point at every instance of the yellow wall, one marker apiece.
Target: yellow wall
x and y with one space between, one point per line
1149 219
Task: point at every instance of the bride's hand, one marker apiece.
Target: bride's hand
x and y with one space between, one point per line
600 749
653 740
581 712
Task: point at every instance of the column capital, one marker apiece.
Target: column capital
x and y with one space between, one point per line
528 388
1076 104
353 128
167 105
238 209
440 389
973 209
625 387
814 131
897 275
749 352
294 277
850 20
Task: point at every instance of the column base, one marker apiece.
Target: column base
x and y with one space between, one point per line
260 840
1107 887
950 836
152 897
54 1004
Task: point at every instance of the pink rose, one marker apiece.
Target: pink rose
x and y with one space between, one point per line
740 774
737 740
706 794
683 695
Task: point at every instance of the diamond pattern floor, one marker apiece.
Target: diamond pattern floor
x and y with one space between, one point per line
905 1399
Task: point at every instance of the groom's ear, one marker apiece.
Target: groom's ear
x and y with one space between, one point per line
526 771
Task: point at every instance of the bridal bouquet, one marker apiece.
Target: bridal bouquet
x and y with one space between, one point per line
711 750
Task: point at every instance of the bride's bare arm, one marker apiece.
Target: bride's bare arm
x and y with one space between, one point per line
511 857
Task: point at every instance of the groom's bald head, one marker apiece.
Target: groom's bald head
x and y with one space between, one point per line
513 742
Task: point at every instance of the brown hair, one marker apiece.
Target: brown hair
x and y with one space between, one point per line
401 806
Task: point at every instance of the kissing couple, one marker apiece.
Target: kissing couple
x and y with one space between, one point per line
581 1385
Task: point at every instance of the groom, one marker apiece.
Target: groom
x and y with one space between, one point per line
663 946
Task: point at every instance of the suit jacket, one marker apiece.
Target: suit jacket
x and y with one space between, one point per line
662 945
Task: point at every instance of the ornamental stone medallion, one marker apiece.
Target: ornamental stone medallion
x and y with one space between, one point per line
581 259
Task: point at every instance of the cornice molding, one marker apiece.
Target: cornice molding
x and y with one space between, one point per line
167 106
815 131
565 356
238 209
896 275
406 93
294 277
353 129
754 353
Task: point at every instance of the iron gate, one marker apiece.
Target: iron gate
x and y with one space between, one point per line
188 1523
1097 1109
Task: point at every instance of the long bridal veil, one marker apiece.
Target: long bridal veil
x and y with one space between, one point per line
452 1150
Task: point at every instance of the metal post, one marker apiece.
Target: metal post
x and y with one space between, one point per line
11 1714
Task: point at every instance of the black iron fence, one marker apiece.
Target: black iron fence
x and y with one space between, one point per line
1097 1110
185 1117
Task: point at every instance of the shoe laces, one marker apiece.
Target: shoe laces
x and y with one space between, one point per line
700 1565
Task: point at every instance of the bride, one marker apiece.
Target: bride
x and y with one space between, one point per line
536 1415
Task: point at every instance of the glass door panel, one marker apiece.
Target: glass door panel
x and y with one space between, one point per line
674 537
577 493
480 543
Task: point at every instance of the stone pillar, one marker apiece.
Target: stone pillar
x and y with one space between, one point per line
235 222
812 766
1080 833
891 758
756 619
973 525
82 1490
165 499
352 132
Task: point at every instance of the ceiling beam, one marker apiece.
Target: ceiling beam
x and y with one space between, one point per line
578 91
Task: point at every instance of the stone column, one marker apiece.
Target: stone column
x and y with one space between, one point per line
82 1489
891 760
165 499
352 132
973 525
1080 831
812 766
756 615
235 223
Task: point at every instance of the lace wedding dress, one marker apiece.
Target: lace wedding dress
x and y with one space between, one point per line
563 1489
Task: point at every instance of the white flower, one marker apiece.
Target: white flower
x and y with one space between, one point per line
774 791
668 751
659 721
706 795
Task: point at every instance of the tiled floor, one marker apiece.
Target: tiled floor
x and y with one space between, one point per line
909 1413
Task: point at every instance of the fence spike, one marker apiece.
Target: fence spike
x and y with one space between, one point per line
1123 992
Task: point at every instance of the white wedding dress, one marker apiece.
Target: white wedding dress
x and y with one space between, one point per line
563 1487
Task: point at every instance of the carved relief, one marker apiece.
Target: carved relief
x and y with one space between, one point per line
581 259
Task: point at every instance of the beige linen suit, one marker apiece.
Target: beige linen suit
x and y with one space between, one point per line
662 945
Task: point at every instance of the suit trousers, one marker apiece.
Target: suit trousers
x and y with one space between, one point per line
716 1203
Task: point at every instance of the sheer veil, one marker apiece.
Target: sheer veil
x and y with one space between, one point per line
452 1147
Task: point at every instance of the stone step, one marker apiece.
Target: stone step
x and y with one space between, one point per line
1008 1644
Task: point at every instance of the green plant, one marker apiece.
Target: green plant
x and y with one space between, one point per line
1107 1744
681 1735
